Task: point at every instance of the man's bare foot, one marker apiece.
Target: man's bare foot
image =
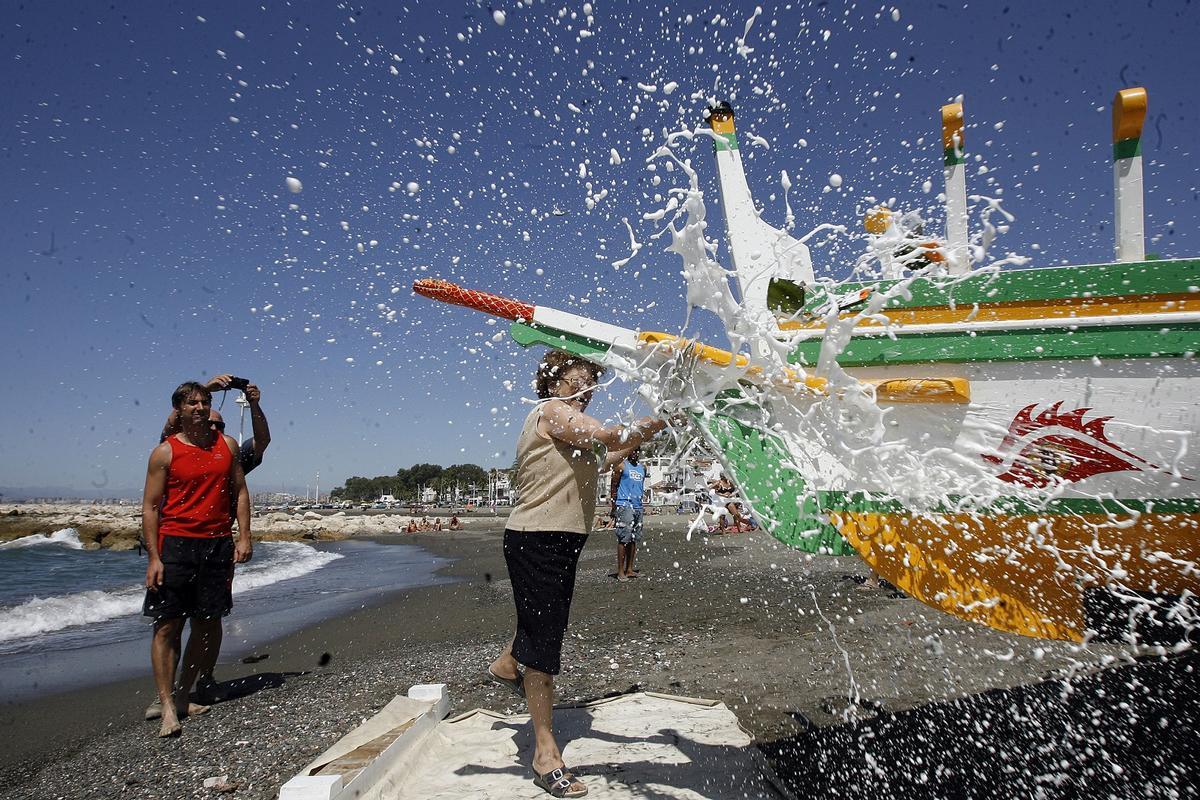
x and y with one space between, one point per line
622 577
191 709
170 727
631 574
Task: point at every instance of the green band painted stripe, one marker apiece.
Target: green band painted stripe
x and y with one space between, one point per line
1027 344
1127 148
1139 279
952 157
725 141
1012 506
527 335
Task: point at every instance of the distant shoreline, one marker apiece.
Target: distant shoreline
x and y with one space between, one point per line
118 526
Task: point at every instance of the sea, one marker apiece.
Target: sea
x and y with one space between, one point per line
71 617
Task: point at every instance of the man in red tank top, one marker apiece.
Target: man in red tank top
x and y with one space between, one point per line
191 482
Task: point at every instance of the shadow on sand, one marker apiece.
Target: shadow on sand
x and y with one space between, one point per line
686 768
237 688
1128 731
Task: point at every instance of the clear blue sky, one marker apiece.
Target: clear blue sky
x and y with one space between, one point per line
148 236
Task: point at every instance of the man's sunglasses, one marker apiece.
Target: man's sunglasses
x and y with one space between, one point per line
218 425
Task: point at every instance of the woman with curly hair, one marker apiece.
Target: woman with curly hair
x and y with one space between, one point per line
560 454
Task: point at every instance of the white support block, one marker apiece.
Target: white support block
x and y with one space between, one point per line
311 787
435 693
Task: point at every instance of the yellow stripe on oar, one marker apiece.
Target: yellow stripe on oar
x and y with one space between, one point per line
723 358
889 390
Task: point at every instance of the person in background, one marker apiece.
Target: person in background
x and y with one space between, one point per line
192 481
250 455
627 487
252 450
560 453
726 494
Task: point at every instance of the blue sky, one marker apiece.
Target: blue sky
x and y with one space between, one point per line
148 235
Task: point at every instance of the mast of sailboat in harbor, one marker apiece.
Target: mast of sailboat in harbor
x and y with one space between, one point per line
243 404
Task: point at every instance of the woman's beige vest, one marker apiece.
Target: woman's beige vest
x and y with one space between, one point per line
556 483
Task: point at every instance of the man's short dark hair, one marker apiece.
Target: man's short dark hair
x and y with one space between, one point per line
186 390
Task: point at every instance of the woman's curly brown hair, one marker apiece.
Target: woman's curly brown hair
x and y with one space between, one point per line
554 365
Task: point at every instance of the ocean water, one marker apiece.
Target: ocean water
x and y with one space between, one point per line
64 610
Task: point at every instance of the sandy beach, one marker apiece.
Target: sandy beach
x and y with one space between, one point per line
944 709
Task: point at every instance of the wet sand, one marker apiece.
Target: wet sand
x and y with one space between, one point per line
846 691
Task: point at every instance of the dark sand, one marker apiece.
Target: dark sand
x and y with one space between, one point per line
943 708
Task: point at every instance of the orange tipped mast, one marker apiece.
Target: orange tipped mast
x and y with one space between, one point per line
1128 113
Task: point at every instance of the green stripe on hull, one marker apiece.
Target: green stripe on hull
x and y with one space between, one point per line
1127 148
1025 344
1129 279
952 157
763 471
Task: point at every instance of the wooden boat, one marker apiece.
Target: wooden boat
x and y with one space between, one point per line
1032 466
1053 408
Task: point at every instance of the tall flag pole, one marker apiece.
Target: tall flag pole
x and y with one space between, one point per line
1128 114
954 161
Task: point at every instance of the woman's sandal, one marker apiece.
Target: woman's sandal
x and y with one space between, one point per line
517 684
558 782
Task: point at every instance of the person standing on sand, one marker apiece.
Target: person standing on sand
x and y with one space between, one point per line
560 452
628 484
192 480
250 454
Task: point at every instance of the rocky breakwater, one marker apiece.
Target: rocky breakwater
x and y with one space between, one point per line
119 527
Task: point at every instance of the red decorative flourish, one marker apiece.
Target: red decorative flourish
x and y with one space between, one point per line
447 292
1068 449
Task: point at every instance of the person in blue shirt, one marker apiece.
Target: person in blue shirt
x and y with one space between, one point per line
628 482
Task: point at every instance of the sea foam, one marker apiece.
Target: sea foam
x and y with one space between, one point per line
67 537
274 562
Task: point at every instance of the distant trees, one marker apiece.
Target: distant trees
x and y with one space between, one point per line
406 484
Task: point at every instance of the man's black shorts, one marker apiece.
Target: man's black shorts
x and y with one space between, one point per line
197 579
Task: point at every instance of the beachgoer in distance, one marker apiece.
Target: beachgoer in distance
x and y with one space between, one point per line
726 493
560 453
627 486
456 524
192 480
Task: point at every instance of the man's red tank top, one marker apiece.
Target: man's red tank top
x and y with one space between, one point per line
197 499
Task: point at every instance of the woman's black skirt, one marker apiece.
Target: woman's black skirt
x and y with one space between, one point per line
541 565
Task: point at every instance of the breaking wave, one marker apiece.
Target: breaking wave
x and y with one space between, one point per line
274 562
67 537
